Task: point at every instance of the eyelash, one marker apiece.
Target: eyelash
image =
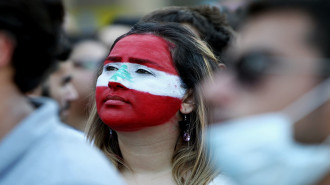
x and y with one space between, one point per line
143 71
111 68
139 71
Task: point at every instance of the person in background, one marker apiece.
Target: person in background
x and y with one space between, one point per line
58 85
271 110
35 147
207 22
86 56
147 116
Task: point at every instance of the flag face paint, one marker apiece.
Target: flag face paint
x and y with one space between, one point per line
139 86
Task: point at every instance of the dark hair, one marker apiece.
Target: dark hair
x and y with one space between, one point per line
210 23
64 47
318 11
194 61
34 26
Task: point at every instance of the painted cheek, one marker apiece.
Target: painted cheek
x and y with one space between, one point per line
155 110
99 97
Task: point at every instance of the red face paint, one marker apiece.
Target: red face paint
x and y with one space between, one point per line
139 86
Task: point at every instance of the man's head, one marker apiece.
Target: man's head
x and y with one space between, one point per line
58 85
32 26
60 88
86 56
281 55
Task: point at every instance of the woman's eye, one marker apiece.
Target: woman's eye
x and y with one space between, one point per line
111 68
142 71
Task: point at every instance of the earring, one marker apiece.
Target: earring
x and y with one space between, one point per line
185 126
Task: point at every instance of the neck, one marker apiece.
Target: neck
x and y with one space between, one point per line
76 121
149 150
14 108
78 116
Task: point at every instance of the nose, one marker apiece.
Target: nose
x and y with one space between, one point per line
116 85
71 93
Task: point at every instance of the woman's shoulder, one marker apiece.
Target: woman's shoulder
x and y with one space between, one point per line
221 180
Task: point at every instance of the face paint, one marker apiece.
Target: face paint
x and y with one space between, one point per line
139 86
122 73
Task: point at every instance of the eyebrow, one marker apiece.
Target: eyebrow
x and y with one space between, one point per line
142 61
66 79
114 59
133 60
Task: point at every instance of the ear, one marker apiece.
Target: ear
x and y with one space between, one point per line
222 66
188 103
6 49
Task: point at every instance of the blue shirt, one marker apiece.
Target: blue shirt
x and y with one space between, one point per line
43 151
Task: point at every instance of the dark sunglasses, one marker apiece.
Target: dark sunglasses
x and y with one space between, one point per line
253 66
87 64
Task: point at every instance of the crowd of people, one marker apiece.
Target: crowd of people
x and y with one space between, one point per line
200 95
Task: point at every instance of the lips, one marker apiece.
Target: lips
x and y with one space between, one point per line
114 100
114 97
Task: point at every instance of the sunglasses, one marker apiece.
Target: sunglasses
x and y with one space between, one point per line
87 64
252 67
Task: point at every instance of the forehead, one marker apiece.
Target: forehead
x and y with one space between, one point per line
64 68
143 46
283 33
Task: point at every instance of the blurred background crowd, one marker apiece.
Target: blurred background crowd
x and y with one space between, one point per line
88 17
189 92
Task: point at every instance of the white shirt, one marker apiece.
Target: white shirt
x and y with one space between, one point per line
43 151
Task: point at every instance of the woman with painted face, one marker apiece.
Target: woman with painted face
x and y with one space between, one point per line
147 116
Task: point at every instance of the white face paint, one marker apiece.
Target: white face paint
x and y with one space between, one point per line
142 78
